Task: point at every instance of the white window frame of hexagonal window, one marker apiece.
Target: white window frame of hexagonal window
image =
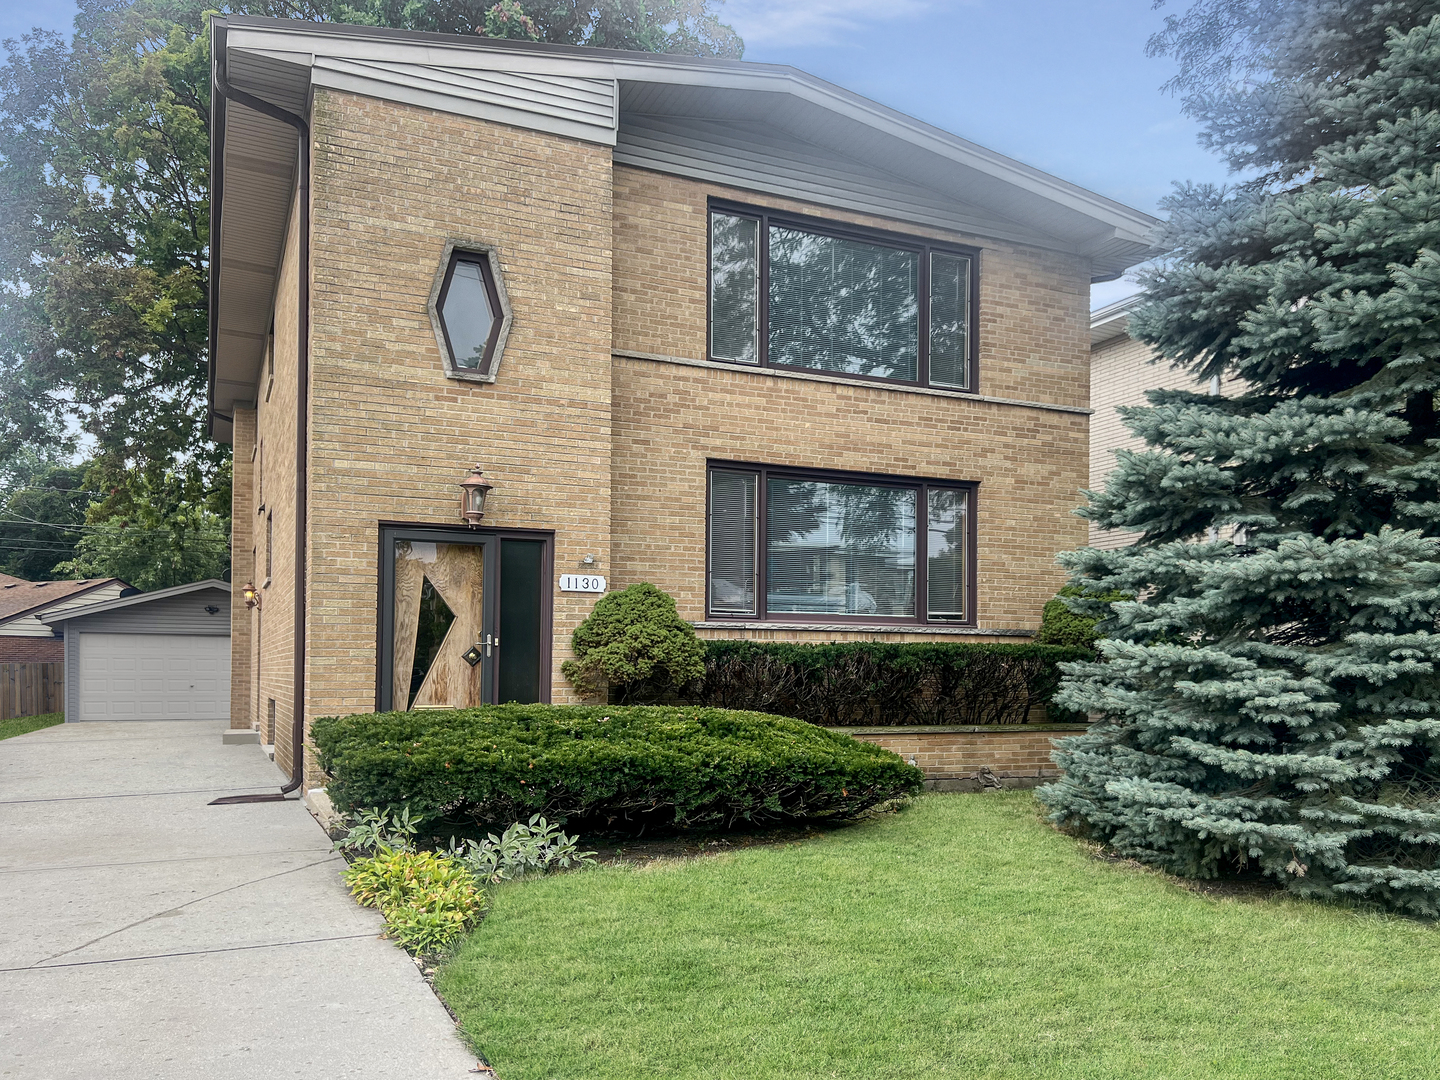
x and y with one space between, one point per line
455 249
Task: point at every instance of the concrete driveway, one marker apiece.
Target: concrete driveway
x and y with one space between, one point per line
146 934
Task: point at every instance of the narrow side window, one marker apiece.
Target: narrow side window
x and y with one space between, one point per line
732 542
948 566
949 320
734 288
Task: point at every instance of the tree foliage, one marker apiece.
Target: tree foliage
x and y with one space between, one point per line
1271 700
154 533
41 511
1255 71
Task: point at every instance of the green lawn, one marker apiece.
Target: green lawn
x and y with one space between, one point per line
21 725
961 938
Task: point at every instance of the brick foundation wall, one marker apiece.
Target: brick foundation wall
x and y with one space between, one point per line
957 758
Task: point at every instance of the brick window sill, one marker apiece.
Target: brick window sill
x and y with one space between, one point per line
856 628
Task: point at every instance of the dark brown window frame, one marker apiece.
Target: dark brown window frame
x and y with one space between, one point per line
922 485
923 246
492 294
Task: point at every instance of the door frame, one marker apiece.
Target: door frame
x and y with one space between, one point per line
450 534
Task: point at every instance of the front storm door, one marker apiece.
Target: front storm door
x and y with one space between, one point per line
448 599
441 624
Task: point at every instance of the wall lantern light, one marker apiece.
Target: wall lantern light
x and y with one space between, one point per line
251 594
473 490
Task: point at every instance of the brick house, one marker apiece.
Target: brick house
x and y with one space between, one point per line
26 636
813 367
1121 371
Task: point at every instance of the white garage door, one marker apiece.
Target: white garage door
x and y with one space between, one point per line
154 677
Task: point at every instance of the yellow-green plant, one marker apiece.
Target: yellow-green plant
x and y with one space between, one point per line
427 899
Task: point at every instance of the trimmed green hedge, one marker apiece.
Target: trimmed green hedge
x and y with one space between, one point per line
878 684
615 768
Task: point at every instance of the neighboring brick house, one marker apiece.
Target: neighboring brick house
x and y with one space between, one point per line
25 637
1121 371
815 368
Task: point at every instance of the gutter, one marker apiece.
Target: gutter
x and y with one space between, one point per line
302 409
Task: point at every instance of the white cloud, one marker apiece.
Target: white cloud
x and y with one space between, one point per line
813 22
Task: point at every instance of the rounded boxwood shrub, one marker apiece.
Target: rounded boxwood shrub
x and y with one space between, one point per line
635 645
614 768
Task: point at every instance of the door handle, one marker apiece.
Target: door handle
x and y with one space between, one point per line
491 641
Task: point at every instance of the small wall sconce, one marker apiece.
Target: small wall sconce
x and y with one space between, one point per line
251 595
473 490
211 609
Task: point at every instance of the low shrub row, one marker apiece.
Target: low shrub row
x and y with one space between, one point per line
611 768
879 684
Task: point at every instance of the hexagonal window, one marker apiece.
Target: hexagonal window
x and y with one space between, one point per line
471 313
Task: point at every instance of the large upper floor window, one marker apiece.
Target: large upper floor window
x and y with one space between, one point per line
795 545
796 293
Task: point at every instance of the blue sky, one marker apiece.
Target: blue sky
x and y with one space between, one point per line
1061 85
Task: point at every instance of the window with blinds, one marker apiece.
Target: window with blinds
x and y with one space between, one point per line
788 292
842 305
793 545
733 523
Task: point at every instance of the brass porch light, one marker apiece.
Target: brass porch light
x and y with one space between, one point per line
251 595
473 490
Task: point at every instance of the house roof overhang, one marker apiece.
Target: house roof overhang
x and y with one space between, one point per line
767 128
1113 320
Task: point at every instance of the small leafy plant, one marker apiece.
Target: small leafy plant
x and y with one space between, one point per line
376 828
535 847
428 899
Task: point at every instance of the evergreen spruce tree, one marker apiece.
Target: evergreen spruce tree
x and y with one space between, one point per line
1271 697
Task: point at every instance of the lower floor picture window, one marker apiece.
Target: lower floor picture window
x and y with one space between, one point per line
790 545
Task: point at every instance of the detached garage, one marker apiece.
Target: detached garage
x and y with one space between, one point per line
163 655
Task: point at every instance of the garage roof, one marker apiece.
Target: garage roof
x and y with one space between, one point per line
135 601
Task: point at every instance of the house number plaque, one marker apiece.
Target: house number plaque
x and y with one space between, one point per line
582 583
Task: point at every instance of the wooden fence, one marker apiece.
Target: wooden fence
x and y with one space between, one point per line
31 689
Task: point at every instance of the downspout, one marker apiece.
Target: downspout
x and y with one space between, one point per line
302 429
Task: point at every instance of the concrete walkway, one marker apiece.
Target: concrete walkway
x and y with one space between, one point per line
145 934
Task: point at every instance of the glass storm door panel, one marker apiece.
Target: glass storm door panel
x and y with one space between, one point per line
439 647
518 663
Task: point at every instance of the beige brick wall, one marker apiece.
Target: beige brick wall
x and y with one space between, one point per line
609 452
670 418
1121 370
270 433
242 570
391 436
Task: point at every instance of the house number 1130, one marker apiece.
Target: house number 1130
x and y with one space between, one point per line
581 583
